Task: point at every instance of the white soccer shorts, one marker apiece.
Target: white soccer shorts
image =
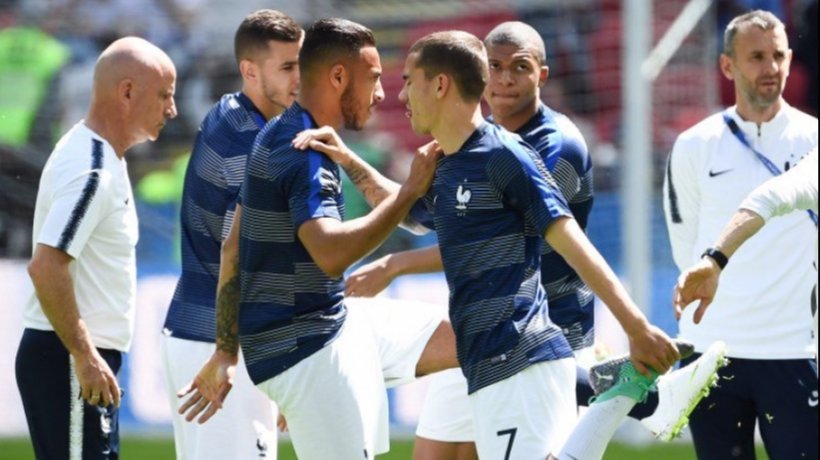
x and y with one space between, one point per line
528 415
245 427
335 401
446 414
401 329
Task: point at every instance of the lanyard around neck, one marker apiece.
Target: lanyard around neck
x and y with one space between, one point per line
741 136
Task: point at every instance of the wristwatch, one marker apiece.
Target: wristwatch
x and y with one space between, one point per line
715 254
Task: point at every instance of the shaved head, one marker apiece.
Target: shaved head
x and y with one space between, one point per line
130 57
518 34
133 94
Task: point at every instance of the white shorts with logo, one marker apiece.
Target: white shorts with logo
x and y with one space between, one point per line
335 401
446 415
528 415
245 427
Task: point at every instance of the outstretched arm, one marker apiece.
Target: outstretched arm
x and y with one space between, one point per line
793 190
649 346
700 282
335 245
372 278
374 186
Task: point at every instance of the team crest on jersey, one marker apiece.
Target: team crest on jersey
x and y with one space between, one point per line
463 196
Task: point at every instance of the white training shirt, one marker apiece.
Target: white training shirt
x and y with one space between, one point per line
762 309
789 192
85 207
793 190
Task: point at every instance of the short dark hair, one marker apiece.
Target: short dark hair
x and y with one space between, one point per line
260 27
329 41
521 35
458 54
758 18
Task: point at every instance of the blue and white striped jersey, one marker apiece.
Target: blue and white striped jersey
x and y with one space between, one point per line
289 308
212 183
563 149
492 202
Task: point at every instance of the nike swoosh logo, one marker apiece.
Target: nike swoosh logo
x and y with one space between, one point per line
719 173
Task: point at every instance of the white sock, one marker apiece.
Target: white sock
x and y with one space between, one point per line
594 430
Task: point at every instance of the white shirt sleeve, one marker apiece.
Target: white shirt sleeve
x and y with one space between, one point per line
793 190
681 203
76 209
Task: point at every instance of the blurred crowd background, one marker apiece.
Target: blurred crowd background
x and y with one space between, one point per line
48 49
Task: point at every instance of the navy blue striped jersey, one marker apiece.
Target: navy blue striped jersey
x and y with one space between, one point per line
563 149
492 202
212 182
289 309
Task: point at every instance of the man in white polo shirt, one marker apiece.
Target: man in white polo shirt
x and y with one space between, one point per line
81 318
762 310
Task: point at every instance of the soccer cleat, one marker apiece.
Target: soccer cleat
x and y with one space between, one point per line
625 381
680 391
605 374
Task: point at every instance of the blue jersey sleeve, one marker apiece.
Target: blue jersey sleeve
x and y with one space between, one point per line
316 190
522 179
423 212
572 170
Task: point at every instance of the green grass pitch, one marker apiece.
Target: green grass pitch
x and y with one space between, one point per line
134 448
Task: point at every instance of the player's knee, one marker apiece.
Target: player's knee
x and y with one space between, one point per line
440 352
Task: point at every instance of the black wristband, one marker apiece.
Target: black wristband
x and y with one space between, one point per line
719 257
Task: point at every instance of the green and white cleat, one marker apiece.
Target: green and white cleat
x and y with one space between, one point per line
605 374
680 391
625 381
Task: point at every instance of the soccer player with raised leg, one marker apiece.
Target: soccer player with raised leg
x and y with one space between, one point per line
517 71
492 203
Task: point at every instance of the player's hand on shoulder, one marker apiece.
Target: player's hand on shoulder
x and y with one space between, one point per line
325 140
98 384
209 388
423 168
369 279
651 348
700 282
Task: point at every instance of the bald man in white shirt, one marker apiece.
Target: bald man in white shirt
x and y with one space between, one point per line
80 318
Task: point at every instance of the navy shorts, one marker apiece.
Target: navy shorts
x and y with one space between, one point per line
61 425
779 395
